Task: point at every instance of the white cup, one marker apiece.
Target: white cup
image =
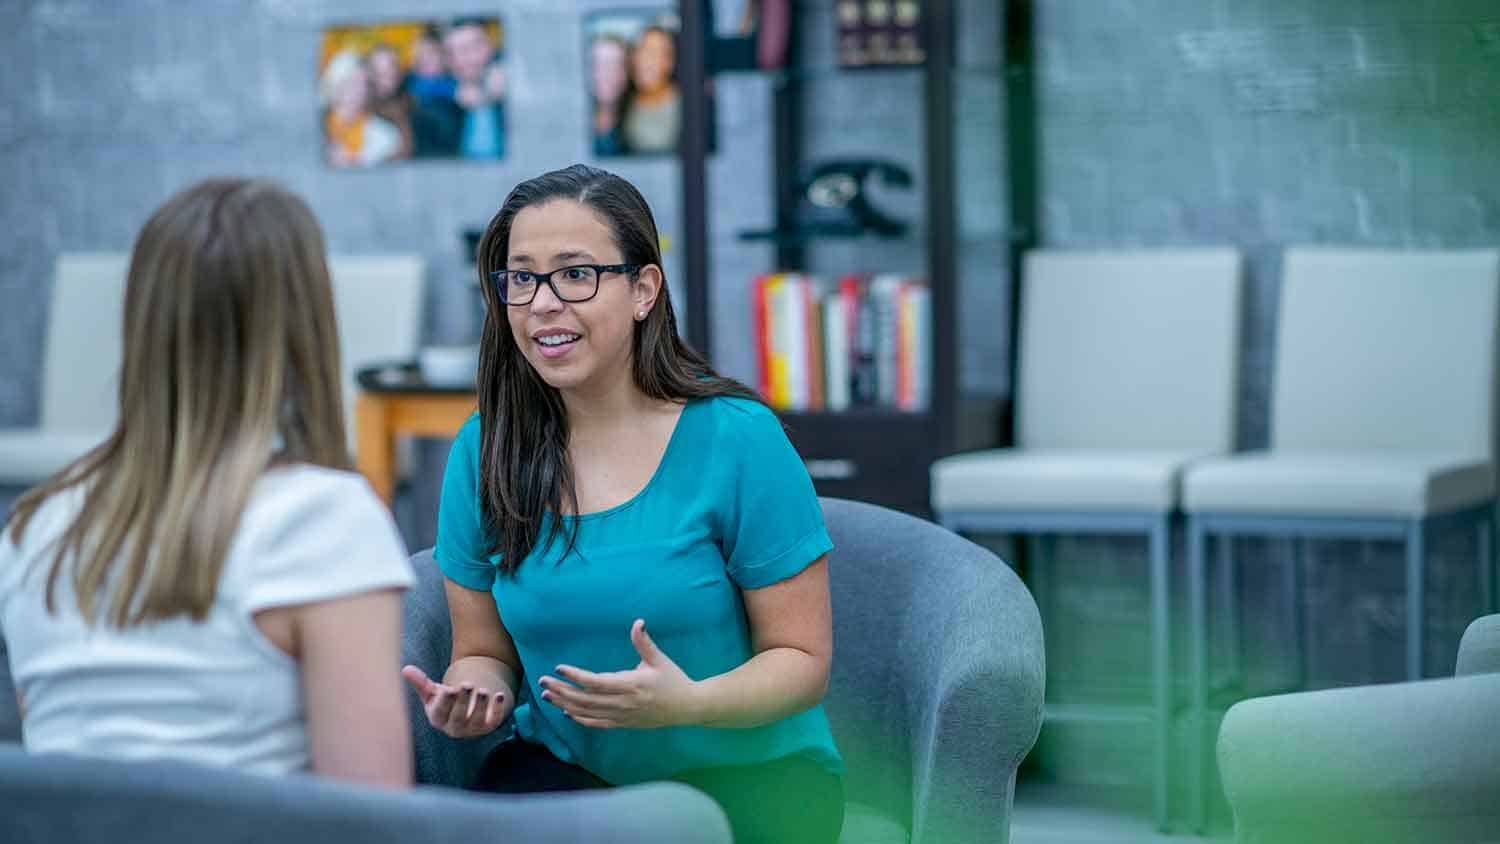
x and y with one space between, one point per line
449 365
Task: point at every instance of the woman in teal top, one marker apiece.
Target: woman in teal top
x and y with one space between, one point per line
635 557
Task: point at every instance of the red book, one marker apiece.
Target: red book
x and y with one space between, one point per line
762 335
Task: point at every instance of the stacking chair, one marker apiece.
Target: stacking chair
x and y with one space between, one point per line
1382 428
378 300
1127 374
80 370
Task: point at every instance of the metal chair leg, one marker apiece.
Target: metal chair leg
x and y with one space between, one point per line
1484 538
1416 585
1038 562
1494 561
1228 575
1161 631
1294 583
1198 744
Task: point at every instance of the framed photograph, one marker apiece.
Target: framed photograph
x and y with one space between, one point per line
420 89
634 97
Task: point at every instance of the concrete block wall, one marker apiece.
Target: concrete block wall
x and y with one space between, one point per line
110 107
1260 123
1268 124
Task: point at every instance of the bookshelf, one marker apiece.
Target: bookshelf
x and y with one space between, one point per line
872 453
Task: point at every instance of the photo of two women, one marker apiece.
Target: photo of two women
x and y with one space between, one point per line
635 102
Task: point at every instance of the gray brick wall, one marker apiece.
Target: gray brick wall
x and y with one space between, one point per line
1262 124
1266 124
110 106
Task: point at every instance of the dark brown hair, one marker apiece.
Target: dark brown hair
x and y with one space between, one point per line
524 472
230 344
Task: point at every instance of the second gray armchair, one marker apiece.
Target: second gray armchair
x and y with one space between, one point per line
936 692
1402 762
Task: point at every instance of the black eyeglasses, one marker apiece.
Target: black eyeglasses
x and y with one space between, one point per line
578 283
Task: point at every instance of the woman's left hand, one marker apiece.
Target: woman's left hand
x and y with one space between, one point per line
656 693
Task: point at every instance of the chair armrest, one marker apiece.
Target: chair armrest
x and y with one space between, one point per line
57 797
427 642
1402 762
1479 651
975 661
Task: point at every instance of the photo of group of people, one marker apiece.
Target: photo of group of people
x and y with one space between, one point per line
635 102
413 89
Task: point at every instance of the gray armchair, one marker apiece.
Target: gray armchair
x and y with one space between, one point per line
54 798
936 693
46 799
935 698
1403 762
938 670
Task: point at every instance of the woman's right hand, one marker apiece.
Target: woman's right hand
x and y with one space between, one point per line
462 711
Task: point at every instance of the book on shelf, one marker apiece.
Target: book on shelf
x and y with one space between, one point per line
864 341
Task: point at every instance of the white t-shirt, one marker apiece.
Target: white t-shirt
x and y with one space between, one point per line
215 692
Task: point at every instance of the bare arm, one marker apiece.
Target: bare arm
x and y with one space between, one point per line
483 652
479 688
791 630
356 722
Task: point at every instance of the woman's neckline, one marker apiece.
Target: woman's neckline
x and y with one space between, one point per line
666 455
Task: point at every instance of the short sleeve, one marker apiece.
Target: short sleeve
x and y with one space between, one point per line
10 565
462 551
316 535
773 524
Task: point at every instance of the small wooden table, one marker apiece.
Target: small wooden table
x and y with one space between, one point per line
395 401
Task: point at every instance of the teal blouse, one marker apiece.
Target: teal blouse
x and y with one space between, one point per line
730 507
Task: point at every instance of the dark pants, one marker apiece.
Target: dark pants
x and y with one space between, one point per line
793 800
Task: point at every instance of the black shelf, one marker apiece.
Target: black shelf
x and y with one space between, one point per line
853 414
878 454
825 73
800 237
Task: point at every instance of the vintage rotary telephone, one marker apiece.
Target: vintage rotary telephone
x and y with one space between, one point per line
833 201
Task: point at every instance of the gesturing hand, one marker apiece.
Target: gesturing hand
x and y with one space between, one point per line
656 693
461 711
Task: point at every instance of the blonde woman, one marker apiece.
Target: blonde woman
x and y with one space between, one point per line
212 584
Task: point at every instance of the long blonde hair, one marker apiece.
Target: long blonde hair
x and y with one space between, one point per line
230 345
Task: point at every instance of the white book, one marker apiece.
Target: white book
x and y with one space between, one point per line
921 300
778 304
836 352
796 340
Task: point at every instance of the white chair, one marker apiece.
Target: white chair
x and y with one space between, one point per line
1382 426
1128 367
378 299
80 370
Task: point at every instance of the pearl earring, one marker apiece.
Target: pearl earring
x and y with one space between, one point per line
640 314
